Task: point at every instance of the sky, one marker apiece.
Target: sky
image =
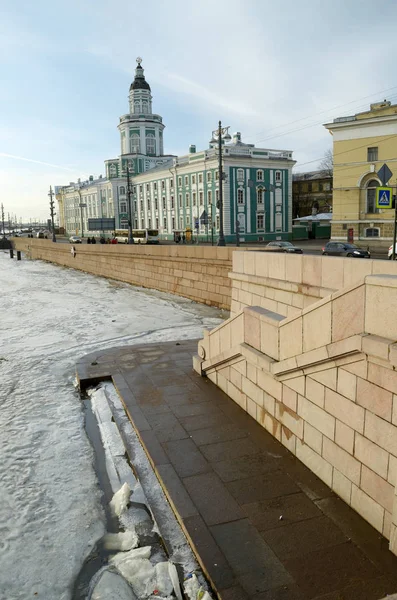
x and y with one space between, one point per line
273 71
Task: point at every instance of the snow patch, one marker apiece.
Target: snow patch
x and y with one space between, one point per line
124 540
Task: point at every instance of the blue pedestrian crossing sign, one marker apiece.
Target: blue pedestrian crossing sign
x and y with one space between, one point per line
384 197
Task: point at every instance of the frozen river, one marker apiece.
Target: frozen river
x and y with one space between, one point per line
50 503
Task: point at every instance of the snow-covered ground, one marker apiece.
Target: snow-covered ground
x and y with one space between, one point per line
50 508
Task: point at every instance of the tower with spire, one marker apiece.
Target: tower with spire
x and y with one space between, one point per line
141 131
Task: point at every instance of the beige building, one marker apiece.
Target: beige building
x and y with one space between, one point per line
362 143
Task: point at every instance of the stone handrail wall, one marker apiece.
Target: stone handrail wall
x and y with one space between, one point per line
324 383
196 272
286 284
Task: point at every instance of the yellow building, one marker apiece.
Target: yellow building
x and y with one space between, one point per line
362 143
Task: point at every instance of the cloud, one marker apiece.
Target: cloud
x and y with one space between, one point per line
37 162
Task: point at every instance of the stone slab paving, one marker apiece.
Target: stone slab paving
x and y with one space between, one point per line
261 524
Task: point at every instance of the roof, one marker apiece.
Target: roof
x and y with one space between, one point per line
319 217
311 175
139 82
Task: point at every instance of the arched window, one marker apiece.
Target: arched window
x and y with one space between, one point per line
150 144
144 107
135 146
123 206
240 174
137 106
259 196
122 190
240 196
371 196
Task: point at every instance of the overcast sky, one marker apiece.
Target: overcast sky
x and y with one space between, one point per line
273 70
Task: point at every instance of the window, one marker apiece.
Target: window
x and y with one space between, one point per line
201 198
200 178
148 204
259 196
173 223
186 180
209 197
240 174
320 187
149 223
150 144
163 185
134 189
123 207
155 186
209 176
179 180
157 223
181 222
216 196
259 223
135 206
172 202
140 189
180 200
122 190
171 183
147 187
135 145
187 219
165 222
193 179
194 198
372 154
371 196
277 177
164 204
240 197
137 106
259 175
217 222
144 107
216 175
187 200
372 232
141 205
136 223
156 204
310 187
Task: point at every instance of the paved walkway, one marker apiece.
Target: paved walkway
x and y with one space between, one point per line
262 525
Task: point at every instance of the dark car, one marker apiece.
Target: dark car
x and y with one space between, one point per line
342 249
284 247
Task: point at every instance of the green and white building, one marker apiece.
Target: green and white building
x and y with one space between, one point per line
171 193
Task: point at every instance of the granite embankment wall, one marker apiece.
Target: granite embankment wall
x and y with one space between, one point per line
196 272
310 352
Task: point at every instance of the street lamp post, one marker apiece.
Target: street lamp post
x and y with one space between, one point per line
52 213
130 238
222 133
2 220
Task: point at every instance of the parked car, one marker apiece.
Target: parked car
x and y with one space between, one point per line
284 247
74 239
42 235
389 254
342 249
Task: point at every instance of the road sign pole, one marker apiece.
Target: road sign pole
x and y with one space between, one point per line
393 256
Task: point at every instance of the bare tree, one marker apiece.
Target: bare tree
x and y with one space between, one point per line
327 164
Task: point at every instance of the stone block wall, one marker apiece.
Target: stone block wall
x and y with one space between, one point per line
286 284
324 383
196 272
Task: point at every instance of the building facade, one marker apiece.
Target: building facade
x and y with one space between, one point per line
175 194
362 143
311 193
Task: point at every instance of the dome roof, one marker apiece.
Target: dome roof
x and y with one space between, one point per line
139 82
